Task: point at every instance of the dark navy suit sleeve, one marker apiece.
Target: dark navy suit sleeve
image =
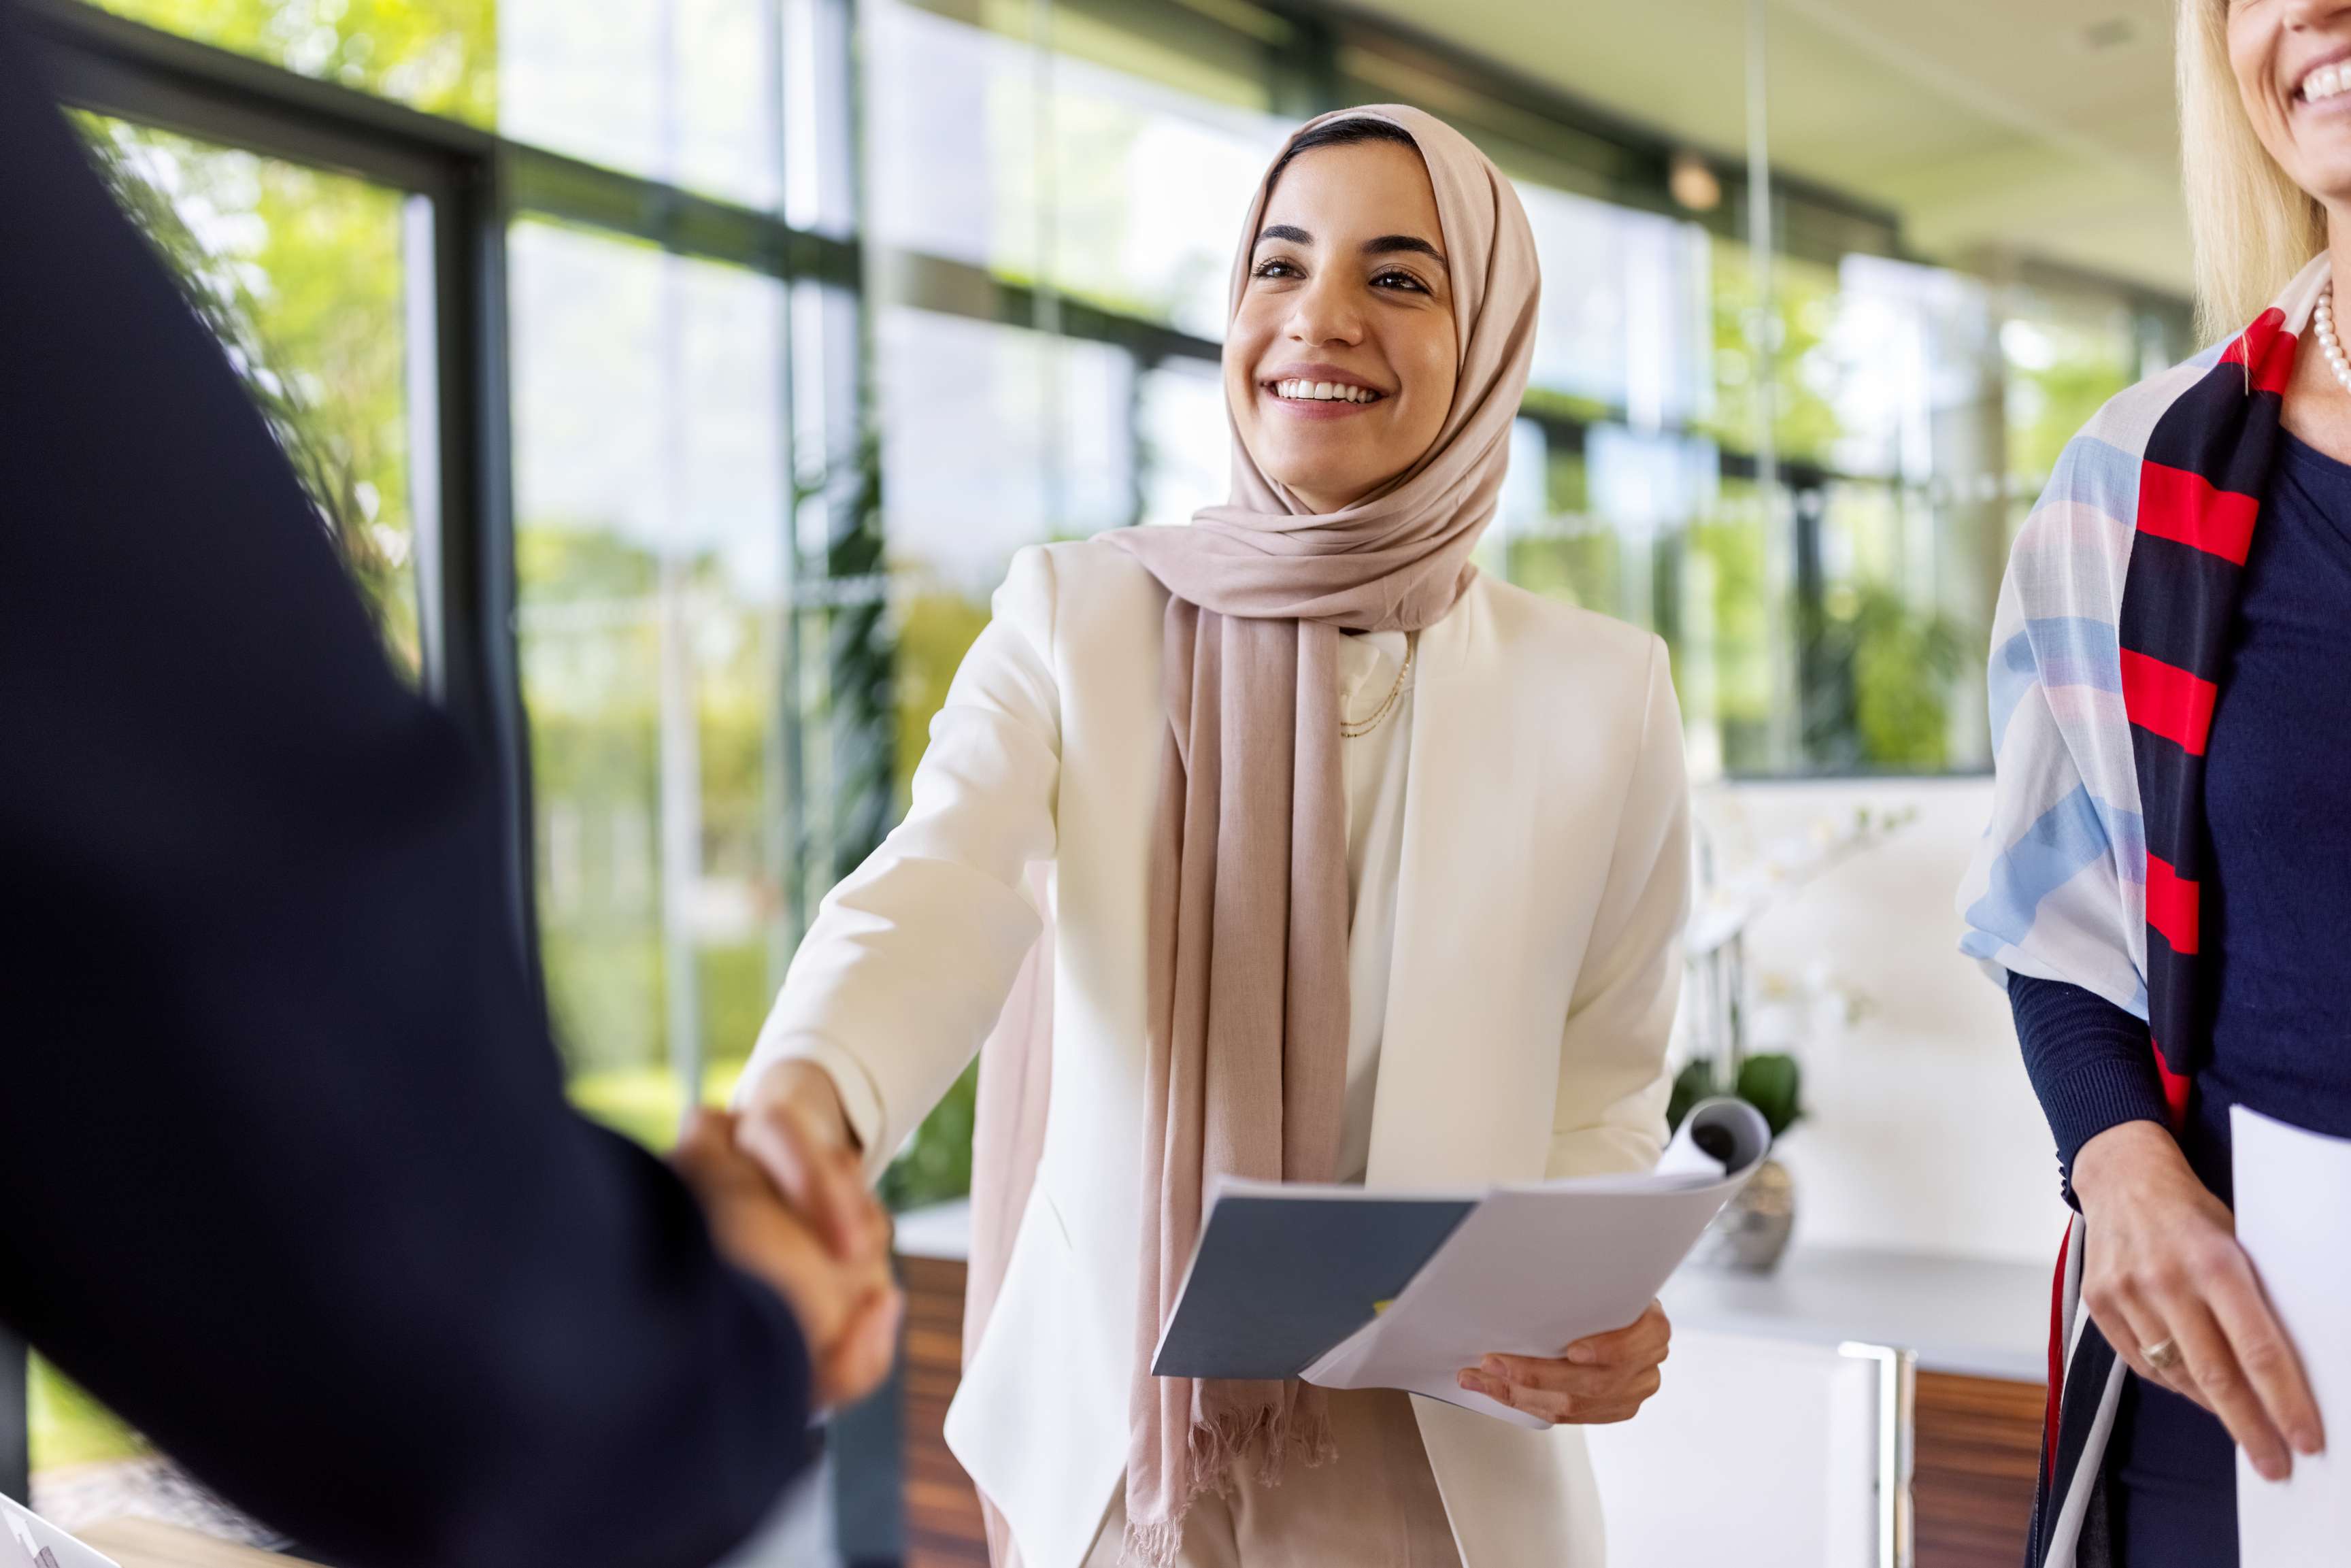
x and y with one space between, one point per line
286 1176
2090 1062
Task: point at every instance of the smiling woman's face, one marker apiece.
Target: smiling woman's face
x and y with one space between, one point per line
2293 64
1341 362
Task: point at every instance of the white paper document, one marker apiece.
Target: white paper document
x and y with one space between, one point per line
1534 1268
28 1540
2293 1221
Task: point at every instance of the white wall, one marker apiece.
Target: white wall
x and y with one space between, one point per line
1924 1134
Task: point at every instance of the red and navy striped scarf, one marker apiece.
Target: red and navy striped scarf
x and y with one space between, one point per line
2202 476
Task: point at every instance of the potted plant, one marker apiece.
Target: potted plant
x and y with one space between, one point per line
1752 1231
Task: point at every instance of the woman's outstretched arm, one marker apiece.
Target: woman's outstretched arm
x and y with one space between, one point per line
910 960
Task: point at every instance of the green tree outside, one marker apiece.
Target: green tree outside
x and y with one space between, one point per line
439 55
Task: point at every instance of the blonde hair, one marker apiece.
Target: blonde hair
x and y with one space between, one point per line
2251 226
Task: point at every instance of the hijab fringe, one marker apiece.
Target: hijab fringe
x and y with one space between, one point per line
1276 1438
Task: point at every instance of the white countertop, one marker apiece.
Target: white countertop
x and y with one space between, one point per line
941 1230
1964 1316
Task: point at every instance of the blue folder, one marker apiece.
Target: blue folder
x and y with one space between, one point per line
1277 1281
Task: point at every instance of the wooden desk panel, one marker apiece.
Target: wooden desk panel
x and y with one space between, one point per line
1977 1456
145 1544
1977 1449
943 1521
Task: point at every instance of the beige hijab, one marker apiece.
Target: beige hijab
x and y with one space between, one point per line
1247 1012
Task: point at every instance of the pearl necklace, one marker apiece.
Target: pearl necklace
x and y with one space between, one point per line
2324 319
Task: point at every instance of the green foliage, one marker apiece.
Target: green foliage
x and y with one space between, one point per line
1580 568
1881 674
1771 1081
935 1165
67 1426
1905 665
935 631
439 55
860 665
2072 374
643 1103
1726 552
1693 1083
591 651
302 287
1804 306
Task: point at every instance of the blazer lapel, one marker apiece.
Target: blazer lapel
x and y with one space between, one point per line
1449 1109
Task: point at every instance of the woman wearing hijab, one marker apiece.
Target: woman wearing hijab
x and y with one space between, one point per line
1357 866
2166 885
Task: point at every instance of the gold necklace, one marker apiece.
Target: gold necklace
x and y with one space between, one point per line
1355 729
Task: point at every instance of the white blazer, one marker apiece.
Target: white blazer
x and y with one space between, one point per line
1542 888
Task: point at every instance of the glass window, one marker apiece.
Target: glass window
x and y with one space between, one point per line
1888 670
1730 654
997 438
2063 358
1149 187
1806 373
652 497
950 140
686 91
1139 204
1183 442
1623 321
1829 639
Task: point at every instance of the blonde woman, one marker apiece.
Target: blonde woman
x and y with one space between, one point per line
1362 866
2166 887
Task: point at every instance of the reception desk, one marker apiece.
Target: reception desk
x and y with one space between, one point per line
145 1544
1974 1329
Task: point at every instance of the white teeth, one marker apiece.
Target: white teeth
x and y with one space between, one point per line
2326 82
1323 391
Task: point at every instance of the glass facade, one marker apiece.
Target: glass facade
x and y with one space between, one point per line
652 481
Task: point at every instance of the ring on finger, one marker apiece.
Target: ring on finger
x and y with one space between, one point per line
2163 1355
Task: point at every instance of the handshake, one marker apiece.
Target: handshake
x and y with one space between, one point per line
785 1199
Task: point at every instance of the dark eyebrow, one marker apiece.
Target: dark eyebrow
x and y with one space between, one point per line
1386 245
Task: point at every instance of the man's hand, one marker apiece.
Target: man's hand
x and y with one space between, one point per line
2162 1272
847 1302
792 1124
1596 1381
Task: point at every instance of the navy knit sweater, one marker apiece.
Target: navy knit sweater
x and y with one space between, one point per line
2277 915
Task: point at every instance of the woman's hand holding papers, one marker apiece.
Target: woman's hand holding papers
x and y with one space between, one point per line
1603 1379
